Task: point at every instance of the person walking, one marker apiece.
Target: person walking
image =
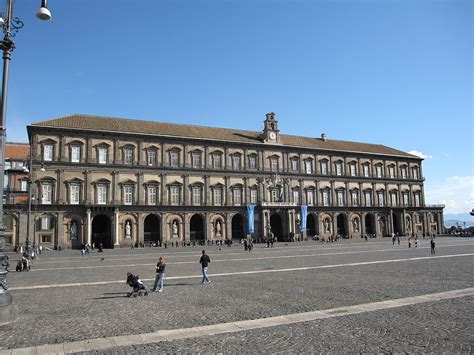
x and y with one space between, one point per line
204 261
160 274
432 243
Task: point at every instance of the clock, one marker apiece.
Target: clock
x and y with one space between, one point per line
272 135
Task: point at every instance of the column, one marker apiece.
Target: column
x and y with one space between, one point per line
302 194
140 230
140 192
334 224
207 191
377 227
163 189
116 151
347 201
87 187
115 187
164 228
317 198
140 153
390 222
225 160
60 230
228 226
362 223
333 194
88 152
207 227
186 156
89 227
245 196
186 190
116 226
226 191
62 148
60 186
187 229
206 156
162 150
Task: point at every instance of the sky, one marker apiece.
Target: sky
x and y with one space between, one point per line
392 72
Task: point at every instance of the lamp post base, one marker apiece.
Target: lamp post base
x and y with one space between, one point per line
7 309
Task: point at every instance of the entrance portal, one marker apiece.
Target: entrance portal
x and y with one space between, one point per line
196 228
152 229
310 226
102 231
369 225
237 226
341 225
397 228
276 227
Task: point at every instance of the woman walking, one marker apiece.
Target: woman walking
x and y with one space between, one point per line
160 274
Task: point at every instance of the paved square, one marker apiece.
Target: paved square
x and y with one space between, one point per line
352 296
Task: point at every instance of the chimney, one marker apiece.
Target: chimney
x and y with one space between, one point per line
323 137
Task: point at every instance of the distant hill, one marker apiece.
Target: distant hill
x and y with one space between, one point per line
458 219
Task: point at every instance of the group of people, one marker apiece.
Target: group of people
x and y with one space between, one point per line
85 248
161 266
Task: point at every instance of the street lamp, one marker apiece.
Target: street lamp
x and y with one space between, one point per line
10 25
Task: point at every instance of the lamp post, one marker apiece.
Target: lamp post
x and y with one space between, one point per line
10 25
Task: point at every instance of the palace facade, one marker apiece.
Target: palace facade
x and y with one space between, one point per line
122 182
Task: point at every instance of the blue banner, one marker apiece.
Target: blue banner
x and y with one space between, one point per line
250 209
304 214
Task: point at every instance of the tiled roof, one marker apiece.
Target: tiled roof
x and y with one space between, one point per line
111 124
17 151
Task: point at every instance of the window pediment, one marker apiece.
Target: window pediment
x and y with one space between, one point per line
48 141
76 142
75 181
102 145
101 182
127 182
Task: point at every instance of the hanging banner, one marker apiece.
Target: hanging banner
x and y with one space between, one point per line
250 209
304 214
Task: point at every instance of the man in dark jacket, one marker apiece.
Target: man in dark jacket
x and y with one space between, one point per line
204 261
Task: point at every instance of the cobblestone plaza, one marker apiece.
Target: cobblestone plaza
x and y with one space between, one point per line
351 296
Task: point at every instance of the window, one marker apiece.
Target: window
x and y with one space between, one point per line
381 199
24 185
393 198
325 197
217 196
404 172
368 198
45 222
128 195
406 199
253 196
151 157
48 152
217 161
294 164
103 155
378 170
174 192
101 195
310 197
340 198
353 169
309 166
391 172
274 164
237 162
196 156
415 173
75 154
366 169
324 167
417 199
296 196
252 162
237 197
151 195
74 191
47 193
338 168
196 196
128 155
355 198
174 158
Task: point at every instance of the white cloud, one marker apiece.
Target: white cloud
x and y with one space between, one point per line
456 192
420 154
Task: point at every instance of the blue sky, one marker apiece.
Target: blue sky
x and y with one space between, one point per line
394 72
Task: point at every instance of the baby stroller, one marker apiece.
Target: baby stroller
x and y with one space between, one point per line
138 287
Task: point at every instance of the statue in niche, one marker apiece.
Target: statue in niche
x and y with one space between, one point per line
128 230
73 230
326 225
175 229
408 224
355 224
218 229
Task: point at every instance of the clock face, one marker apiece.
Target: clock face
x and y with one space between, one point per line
272 135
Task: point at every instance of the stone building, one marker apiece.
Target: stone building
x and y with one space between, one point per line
121 182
